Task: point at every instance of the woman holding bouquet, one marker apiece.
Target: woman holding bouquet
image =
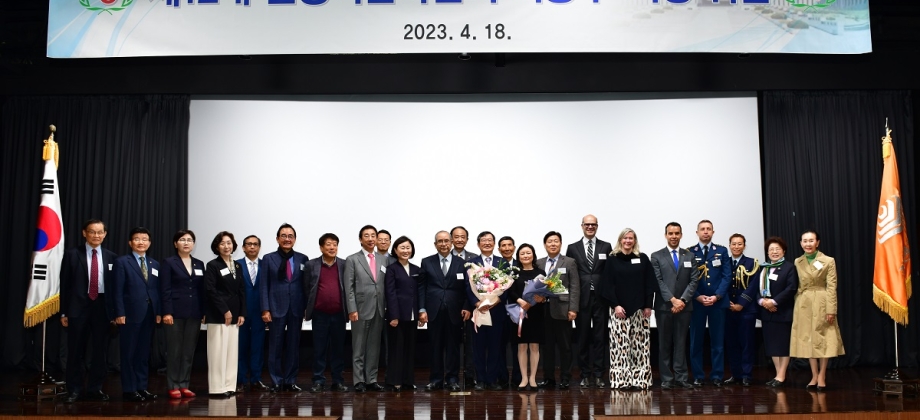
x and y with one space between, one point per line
531 331
628 286
401 285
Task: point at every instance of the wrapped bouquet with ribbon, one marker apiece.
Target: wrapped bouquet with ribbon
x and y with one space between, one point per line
488 283
544 286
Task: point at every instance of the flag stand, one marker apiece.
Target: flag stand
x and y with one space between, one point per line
44 386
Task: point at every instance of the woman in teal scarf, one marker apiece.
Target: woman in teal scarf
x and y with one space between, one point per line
778 282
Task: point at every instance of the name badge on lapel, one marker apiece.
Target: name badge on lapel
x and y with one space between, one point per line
602 256
688 264
198 272
155 272
383 270
716 263
301 267
561 270
224 271
634 261
110 267
459 276
773 276
818 265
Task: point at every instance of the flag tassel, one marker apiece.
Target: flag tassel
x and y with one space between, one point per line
888 305
38 313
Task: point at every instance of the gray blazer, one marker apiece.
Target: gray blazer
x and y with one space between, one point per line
362 294
680 283
559 307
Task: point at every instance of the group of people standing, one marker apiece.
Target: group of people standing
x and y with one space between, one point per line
612 291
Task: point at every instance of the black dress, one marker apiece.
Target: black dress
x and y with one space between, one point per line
533 327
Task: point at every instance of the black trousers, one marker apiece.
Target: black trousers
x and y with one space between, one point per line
591 338
445 345
558 334
92 327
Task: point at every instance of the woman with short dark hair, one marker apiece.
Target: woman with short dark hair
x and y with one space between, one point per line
226 304
777 285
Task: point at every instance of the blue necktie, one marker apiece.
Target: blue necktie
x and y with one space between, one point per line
674 256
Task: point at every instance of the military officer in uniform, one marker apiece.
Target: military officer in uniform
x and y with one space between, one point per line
742 314
711 301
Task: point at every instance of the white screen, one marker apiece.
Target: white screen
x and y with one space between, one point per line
508 164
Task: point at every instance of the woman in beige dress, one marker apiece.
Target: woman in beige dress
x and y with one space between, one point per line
815 334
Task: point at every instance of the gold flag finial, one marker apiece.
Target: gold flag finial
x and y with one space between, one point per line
886 141
50 150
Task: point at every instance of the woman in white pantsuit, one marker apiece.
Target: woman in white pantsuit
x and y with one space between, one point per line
226 303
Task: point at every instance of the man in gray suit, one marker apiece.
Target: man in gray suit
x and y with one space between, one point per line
677 280
366 303
563 310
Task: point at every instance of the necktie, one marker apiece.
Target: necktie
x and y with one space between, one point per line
590 255
94 278
252 272
706 252
373 266
674 257
444 266
489 261
144 268
734 265
289 270
552 267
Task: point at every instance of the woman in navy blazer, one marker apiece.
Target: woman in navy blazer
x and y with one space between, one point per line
225 312
401 287
181 279
778 282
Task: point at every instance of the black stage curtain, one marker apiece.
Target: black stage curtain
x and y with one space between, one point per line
124 160
822 169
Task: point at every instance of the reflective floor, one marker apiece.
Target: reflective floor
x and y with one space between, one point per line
850 390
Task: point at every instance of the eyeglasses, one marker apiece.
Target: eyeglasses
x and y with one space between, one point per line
286 236
94 232
186 240
487 241
589 224
250 244
141 240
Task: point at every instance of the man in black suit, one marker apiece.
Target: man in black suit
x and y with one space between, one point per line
325 297
86 311
506 247
443 303
458 238
591 337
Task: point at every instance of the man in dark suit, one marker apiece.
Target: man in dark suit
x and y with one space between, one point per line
365 300
137 309
87 311
677 280
506 247
282 302
742 318
252 332
444 306
488 353
325 295
458 238
563 309
591 337
712 260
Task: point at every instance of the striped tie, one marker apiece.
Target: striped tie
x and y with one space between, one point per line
590 255
144 268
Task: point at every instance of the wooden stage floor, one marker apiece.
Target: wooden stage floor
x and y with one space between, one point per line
849 397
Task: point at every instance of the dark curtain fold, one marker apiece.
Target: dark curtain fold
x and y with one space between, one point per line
124 160
822 169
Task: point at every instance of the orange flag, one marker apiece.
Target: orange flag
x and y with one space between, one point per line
891 283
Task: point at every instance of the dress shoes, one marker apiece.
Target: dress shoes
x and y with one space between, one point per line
360 387
821 388
96 396
697 383
564 385
730 381
174 394
226 394
317 387
374 386
259 386
275 388
434 386
453 387
717 383
684 384
585 383
292 388
72 397
546 384
778 384
187 393
409 387
479 387
495 387
132 397
770 382
599 383
147 395
746 382
667 386
241 387
338 387
811 387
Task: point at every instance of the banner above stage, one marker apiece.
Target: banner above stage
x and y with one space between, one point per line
127 28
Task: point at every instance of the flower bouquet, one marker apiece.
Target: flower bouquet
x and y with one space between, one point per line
488 284
543 286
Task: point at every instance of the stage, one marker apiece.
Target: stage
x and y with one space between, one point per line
849 397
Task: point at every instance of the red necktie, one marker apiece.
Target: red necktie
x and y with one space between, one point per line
94 278
289 270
